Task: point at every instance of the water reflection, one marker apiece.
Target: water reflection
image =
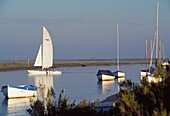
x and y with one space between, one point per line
43 82
105 86
79 83
120 80
16 106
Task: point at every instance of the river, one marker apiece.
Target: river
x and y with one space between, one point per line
78 82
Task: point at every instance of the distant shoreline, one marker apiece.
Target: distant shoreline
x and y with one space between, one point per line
25 66
86 60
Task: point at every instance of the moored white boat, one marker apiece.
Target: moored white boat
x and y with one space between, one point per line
119 74
45 57
144 73
105 75
18 91
149 71
165 63
153 79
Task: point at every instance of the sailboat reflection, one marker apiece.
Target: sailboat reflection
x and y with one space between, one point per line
105 86
43 82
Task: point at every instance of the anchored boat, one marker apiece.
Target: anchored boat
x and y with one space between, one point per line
18 91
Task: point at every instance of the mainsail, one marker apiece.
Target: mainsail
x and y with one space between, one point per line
47 50
45 54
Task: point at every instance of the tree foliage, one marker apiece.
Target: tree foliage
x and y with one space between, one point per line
147 98
50 107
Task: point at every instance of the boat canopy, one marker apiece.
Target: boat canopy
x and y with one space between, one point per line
150 69
106 72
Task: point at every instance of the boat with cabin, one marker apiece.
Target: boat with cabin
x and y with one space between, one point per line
105 75
150 76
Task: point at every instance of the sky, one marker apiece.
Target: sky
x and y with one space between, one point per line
81 28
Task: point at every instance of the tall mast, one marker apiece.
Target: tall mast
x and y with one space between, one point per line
163 51
117 47
160 49
151 53
157 30
146 42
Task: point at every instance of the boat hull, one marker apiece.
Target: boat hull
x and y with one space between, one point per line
43 72
104 77
144 73
153 79
119 74
18 91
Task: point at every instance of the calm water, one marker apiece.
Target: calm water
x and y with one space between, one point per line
79 83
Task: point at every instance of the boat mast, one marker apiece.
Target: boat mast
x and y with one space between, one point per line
146 42
151 54
117 47
160 49
157 36
163 51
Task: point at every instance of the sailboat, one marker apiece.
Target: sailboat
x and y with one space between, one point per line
107 74
151 77
164 63
118 73
45 57
150 70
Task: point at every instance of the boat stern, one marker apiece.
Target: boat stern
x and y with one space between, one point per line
4 90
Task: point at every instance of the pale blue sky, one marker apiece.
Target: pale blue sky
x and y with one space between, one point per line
81 28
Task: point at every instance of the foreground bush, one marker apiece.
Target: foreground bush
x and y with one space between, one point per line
50 107
148 98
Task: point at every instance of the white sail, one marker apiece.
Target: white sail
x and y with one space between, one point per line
38 61
47 50
45 57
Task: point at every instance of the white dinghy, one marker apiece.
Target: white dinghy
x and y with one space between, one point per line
18 91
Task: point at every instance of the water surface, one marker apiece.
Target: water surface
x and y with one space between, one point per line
79 83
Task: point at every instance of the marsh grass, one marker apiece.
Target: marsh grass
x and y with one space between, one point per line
25 66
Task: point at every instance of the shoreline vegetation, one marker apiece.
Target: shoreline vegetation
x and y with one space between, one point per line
12 66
